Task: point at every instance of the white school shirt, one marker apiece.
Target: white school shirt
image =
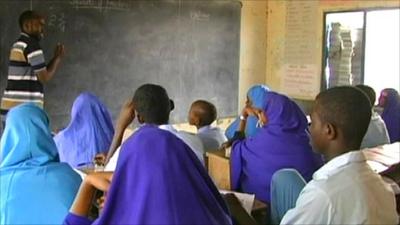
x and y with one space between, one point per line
212 137
345 191
190 139
377 133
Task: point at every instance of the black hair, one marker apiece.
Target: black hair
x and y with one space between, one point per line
27 16
369 91
206 112
152 103
348 109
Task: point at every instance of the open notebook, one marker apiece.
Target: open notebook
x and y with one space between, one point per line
247 200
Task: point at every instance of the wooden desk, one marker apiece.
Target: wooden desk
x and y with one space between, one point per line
218 167
382 157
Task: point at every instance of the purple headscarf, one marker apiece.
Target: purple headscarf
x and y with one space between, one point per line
391 113
90 131
282 143
159 180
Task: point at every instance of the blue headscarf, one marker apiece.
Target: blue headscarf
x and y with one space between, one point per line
283 142
391 113
35 187
90 131
258 97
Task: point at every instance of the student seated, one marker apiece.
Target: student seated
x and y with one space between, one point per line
282 142
202 114
35 187
377 133
89 133
158 179
345 190
256 97
190 139
389 100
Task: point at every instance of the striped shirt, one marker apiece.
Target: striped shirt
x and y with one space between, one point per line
26 60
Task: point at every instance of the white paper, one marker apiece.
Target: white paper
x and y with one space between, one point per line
247 200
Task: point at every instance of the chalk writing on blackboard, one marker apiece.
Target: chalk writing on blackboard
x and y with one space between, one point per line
57 21
102 5
199 16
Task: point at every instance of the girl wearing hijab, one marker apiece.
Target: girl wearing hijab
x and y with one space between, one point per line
282 142
89 133
389 100
35 187
256 97
158 178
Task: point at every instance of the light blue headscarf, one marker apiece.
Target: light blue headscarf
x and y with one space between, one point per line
35 188
258 97
90 131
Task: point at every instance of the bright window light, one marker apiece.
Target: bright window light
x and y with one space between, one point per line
382 51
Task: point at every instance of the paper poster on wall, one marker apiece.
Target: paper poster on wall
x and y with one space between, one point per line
300 81
300 75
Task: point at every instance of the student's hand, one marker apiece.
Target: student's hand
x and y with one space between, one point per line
100 159
249 111
59 51
101 201
126 116
225 145
246 111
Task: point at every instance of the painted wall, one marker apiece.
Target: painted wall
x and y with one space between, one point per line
253 45
262 42
276 22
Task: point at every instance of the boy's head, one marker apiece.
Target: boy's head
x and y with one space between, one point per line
202 113
32 23
339 120
369 91
152 104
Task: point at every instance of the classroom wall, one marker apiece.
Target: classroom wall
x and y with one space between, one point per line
276 21
253 44
262 42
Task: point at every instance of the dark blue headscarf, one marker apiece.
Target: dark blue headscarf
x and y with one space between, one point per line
90 131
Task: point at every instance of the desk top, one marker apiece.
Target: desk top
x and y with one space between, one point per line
382 157
217 153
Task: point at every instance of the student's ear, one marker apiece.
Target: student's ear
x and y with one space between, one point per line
330 131
140 118
196 121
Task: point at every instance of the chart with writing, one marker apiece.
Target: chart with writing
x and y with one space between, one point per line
300 76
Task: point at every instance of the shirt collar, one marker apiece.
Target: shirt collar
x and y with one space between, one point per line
335 164
30 36
204 129
168 127
375 115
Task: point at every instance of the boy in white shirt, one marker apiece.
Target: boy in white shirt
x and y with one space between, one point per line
202 114
345 190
